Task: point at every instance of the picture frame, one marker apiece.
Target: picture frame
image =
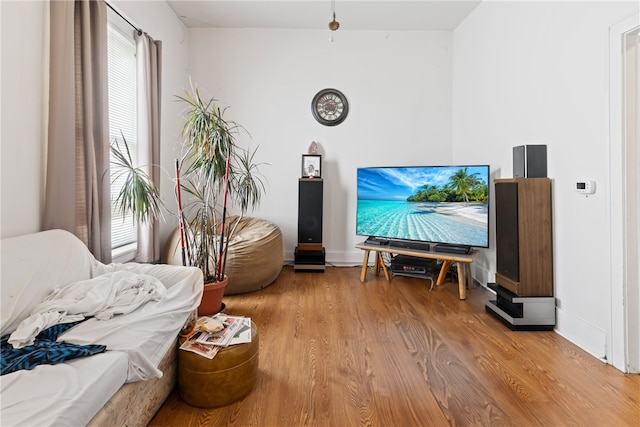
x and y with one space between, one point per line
311 166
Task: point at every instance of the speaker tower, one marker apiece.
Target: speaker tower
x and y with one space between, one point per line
310 254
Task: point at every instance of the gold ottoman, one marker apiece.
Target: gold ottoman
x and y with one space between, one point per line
228 377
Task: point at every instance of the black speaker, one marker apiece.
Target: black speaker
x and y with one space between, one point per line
310 192
507 246
530 161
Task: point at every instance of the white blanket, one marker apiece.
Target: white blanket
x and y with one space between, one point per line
101 297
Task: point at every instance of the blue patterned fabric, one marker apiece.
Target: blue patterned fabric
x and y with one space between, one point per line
45 350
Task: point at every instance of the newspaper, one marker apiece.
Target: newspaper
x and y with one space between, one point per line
244 333
237 330
192 344
222 338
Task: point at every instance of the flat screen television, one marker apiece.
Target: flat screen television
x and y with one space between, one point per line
446 205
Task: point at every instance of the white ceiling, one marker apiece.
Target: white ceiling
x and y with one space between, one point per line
382 15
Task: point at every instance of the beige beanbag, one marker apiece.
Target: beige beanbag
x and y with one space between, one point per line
254 259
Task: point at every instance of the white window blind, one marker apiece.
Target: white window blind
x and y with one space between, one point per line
122 116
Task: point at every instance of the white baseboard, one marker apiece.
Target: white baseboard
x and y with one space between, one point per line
586 336
480 275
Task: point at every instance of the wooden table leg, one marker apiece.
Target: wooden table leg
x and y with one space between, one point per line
443 272
380 265
365 265
462 279
469 275
384 266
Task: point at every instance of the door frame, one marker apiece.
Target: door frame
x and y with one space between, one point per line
622 351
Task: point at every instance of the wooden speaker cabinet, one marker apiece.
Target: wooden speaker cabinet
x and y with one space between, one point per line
524 255
524 245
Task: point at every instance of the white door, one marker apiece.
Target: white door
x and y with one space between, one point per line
624 352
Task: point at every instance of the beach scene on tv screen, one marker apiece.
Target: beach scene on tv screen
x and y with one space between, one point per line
433 204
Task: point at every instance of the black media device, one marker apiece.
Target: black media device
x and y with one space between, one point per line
309 260
410 244
375 241
410 264
452 249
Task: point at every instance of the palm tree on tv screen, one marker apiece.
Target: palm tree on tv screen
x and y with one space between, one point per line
463 183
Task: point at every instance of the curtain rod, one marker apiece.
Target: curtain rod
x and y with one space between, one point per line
125 19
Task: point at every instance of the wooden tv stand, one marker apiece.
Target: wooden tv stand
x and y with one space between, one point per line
463 263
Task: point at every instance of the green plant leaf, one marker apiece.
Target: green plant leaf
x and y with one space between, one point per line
138 193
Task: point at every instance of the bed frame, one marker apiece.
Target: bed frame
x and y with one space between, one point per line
135 404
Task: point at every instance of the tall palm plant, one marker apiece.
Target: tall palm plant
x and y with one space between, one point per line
213 167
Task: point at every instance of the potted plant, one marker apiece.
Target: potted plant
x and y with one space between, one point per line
138 193
213 169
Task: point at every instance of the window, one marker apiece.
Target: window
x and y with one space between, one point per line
122 122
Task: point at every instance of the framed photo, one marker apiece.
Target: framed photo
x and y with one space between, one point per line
311 166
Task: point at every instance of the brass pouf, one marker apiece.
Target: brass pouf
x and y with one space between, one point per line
227 378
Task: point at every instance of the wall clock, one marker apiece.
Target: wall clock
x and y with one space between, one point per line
330 107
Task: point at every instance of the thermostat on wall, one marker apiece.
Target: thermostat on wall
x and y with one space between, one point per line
586 187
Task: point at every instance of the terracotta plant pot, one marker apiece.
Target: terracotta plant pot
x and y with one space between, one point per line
212 297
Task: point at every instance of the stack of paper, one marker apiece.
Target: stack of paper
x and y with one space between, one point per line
236 330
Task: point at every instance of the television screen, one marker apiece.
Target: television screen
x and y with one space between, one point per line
439 204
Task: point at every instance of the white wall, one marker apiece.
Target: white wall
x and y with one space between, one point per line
537 73
398 86
23 120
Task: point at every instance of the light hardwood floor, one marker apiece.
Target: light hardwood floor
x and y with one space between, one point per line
337 352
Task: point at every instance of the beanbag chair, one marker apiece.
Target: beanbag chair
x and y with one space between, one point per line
254 259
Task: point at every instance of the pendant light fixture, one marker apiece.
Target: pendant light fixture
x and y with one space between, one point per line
333 25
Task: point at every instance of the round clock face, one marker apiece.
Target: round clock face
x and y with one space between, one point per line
329 107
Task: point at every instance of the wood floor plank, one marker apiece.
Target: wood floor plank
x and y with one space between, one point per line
338 352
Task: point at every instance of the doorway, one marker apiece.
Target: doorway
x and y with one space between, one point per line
624 351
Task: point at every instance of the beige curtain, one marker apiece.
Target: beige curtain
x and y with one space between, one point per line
149 60
77 195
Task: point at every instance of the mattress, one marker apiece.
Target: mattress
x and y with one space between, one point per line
68 394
